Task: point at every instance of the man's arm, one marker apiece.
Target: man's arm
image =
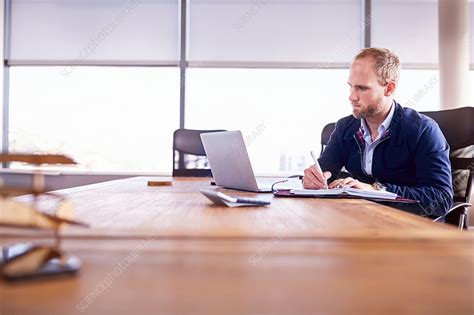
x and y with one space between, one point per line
433 174
331 160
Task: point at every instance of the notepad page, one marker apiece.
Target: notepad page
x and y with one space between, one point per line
371 193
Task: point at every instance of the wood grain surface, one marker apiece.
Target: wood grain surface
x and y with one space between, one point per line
130 208
276 276
167 250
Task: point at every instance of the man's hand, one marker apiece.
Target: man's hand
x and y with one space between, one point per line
314 179
350 182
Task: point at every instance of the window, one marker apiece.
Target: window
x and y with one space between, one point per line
419 89
107 118
258 46
281 112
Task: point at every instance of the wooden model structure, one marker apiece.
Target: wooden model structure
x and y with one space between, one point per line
23 261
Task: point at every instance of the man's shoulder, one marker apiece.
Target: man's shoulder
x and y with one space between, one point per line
418 129
348 122
347 126
413 120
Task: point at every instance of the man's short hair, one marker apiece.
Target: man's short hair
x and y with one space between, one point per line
387 64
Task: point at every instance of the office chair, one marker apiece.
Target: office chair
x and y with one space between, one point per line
325 134
457 127
189 157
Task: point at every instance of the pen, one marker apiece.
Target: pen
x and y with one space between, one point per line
316 163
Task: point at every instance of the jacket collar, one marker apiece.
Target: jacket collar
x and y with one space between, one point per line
383 128
393 130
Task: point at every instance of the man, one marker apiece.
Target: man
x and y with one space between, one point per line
383 145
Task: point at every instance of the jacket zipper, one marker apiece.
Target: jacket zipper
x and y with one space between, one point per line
361 154
362 151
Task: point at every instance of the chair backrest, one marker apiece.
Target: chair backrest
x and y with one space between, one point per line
325 134
457 127
189 157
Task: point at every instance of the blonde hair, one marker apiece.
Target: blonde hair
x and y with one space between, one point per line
387 64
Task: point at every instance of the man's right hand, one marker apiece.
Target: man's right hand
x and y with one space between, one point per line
315 179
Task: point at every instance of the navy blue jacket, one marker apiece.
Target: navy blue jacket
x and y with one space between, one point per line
412 159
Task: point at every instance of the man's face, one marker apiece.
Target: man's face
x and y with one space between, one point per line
366 94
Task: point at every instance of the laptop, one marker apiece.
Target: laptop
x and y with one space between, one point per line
230 163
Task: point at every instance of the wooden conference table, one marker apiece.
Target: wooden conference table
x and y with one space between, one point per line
168 250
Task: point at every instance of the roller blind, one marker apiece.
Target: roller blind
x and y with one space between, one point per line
274 30
94 30
408 27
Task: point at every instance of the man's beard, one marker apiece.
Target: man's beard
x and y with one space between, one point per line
370 110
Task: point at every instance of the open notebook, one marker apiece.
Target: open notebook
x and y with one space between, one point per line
294 188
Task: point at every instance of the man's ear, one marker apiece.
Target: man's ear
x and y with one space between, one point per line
390 88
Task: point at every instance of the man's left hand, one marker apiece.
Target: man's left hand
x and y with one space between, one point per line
350 182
